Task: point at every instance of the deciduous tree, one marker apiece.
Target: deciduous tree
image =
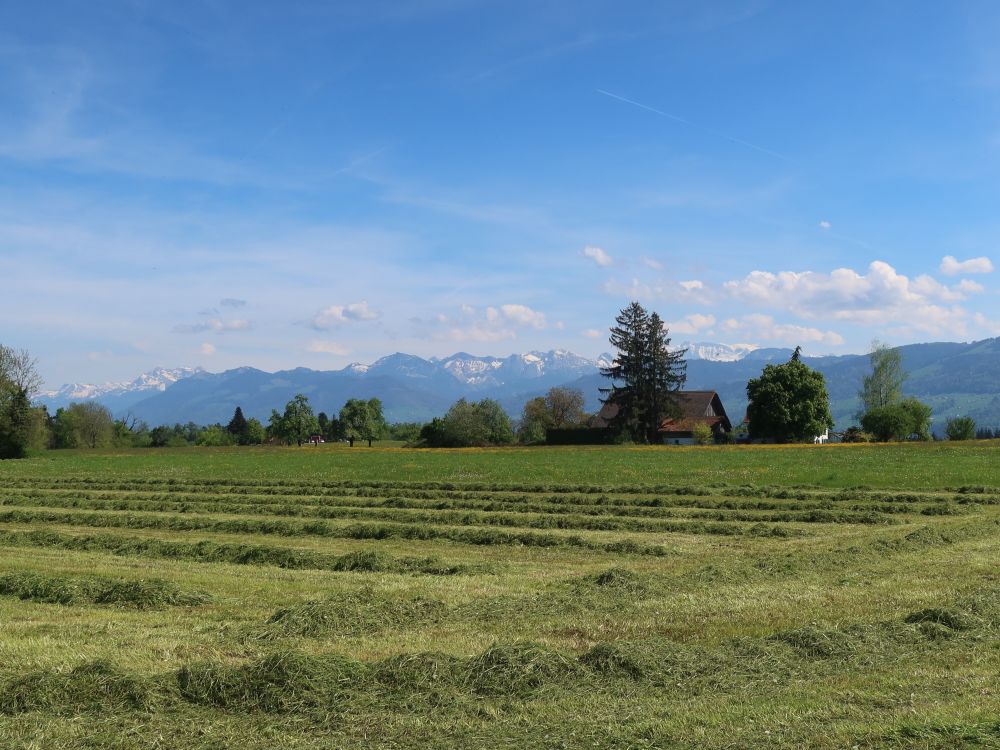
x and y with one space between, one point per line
298 421
788 402
19 381
363 419
883 386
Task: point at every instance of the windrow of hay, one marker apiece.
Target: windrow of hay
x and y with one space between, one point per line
642 514
350 613
92 686
638 519
474 535
289 681
149 593
235 554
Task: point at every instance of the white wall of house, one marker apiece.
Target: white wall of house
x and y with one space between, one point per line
678 441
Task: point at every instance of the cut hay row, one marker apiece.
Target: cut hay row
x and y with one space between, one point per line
424 528
149 593
290 681
660 520
365 561
473 490
603 507
323 529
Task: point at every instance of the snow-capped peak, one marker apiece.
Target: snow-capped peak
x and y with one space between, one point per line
158 379
717 352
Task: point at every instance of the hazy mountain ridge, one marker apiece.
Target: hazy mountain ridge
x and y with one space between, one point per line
952 378
119 393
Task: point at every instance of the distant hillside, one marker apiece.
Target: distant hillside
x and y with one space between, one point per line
955 379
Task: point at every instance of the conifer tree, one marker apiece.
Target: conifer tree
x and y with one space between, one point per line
238 426
645 375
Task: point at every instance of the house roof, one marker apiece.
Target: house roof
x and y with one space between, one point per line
695 406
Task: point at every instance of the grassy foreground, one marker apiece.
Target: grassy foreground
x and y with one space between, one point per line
843 596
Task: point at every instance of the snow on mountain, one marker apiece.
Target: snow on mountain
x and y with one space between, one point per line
158 379
717 352
494 371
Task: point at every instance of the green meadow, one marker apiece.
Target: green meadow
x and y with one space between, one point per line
732 597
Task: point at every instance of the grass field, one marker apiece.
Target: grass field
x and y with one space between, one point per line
830 597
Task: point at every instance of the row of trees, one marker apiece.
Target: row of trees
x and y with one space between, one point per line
359 419
788 402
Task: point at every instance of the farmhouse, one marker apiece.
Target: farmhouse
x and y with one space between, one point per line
696 407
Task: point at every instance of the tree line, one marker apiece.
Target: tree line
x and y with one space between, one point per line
788 402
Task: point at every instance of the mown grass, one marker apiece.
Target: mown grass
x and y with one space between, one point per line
618 597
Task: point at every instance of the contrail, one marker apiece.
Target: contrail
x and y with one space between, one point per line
359 160
695 125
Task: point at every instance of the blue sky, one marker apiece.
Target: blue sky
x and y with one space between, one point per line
316 183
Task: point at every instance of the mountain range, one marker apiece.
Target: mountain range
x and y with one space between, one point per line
953 378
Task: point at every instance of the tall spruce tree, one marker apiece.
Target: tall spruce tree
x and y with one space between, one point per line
645 375
238 426
665 375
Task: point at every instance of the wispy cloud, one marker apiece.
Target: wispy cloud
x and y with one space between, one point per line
327 347
216 325
695 125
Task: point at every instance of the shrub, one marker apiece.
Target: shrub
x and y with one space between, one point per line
470 424
702 434
907 419
961 428
855 434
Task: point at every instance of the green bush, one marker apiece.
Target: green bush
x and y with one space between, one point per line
702 434
855 434
961 428
908 419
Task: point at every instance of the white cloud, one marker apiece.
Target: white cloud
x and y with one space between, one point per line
327 347
597 255
207 349
523 315
336 315
825 225
591 333
651 263
661 291
692 286
233 302
491 324
765 328
691 324
882 296
951 266
216 325
990 326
